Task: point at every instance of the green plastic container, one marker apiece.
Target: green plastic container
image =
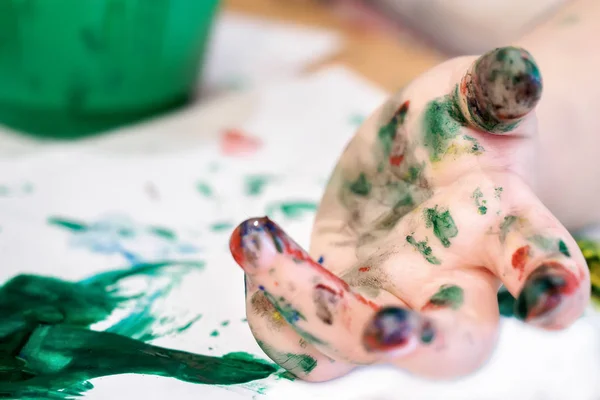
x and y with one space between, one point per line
74 67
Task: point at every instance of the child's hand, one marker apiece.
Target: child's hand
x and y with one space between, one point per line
427 212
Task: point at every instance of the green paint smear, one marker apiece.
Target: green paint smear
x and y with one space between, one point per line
506 225
478 195
255 184
448 296
214 333
204 189
476 148
293 210
70 224
221 226
294 363
361 186
442 223
164 233
424 249
563 249
387 133
442 121
498 192
48 352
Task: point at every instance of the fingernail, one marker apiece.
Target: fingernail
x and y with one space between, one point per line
544 291
500 88
394 328
254 242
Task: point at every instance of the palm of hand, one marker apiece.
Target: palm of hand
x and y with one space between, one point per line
426 214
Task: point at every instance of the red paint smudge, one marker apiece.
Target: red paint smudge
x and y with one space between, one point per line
396 160
520 258
463 86
364 269
432 307
235 142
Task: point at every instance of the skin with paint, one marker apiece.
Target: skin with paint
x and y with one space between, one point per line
437 201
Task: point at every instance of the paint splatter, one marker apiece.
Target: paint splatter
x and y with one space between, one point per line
450 296
424 249
520 258
481 204
295 363
563 248
442 121
204 188
256 184
221 226
235 142
293 209
356 119
442 223
214 333
364 269
361 186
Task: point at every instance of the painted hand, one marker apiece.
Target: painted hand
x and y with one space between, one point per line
427 213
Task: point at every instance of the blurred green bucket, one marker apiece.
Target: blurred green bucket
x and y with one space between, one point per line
74 67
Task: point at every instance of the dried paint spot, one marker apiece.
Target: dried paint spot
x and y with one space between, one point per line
563 248
263 307
214 333
204 188
255 184
442 223
520 258
388 132
361 186
450 296
293 209
235 142
481 204
442 121
364 269
424 249
498 192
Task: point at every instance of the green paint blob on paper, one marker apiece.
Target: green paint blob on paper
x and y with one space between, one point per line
164 233
204 189
48 352
221 226
214 333
255 184
292 209
69 224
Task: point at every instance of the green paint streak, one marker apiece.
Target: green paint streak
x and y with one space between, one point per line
448 296
164 233
287 311
506 303
442 223
442 121
387 133
506 225
204 189
255 184
414 173
214 333
68 224
293 210
361 186
481 208
562 247
424 249
221 226
225 323
476 148
293 362
44 321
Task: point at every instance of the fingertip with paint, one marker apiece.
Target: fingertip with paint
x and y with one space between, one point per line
397 331
548 291
254 243
500 88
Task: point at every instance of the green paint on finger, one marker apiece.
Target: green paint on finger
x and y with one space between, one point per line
361 186
424 249
563 249
451 296
481 204
506 225
442 121
442 223
387 133
498 192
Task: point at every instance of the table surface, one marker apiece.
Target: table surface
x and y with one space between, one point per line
388 60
